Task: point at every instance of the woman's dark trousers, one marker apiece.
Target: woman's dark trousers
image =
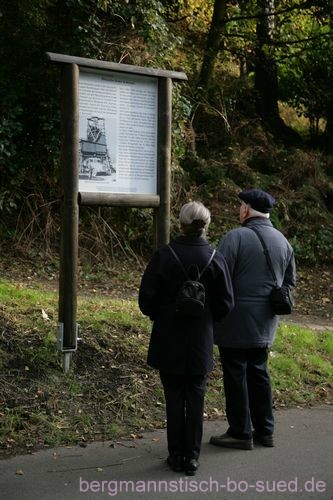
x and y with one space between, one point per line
248 391
184 397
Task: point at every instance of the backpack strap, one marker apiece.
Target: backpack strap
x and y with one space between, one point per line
179 261
208 263
182 266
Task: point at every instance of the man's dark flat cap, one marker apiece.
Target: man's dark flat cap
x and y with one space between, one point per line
259 200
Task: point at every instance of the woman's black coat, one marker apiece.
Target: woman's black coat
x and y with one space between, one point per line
179 345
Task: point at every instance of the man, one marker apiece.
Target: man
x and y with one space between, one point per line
245 335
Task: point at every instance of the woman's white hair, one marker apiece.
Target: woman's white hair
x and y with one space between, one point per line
194 217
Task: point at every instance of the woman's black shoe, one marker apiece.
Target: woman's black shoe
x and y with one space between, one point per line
176 463
191 466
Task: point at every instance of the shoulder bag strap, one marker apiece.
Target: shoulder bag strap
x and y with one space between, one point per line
266 252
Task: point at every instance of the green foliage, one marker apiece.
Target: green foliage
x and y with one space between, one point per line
154 30
9 127
313 249
182 108
306 71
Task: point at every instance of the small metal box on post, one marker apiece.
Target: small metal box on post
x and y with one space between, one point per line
135 171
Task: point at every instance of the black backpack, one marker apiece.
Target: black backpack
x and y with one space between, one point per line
191 296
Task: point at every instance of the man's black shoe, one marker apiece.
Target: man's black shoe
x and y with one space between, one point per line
267 440
176 463
227 441
191 466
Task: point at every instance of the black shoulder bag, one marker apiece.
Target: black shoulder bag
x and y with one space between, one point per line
280 297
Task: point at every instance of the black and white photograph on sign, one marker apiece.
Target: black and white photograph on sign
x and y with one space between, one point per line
118 133
95 160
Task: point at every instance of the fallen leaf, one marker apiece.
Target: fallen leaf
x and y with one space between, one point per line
45 316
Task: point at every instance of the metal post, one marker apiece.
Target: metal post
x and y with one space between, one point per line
67 356
70 211
162 214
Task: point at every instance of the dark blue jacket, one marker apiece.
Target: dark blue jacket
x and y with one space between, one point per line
252 322
179 345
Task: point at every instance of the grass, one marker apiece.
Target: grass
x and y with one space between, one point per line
301 365
298 122
111 391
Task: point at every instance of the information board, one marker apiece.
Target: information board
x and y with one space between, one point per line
118 115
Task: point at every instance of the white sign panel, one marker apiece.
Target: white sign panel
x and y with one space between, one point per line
118 133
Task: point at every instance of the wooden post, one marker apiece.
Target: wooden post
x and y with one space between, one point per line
70 210
118 200
162 213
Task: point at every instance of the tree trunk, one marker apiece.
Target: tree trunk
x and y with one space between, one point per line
329 111
329 130
213 46
266 79
266 83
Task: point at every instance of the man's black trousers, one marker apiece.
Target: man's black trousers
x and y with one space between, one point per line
184 397
248 391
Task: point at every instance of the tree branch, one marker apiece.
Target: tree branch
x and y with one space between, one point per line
293 42
305 5
245 36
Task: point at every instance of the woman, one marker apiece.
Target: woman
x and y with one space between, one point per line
181 347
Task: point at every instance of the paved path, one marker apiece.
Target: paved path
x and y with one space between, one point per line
317 323
299 467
